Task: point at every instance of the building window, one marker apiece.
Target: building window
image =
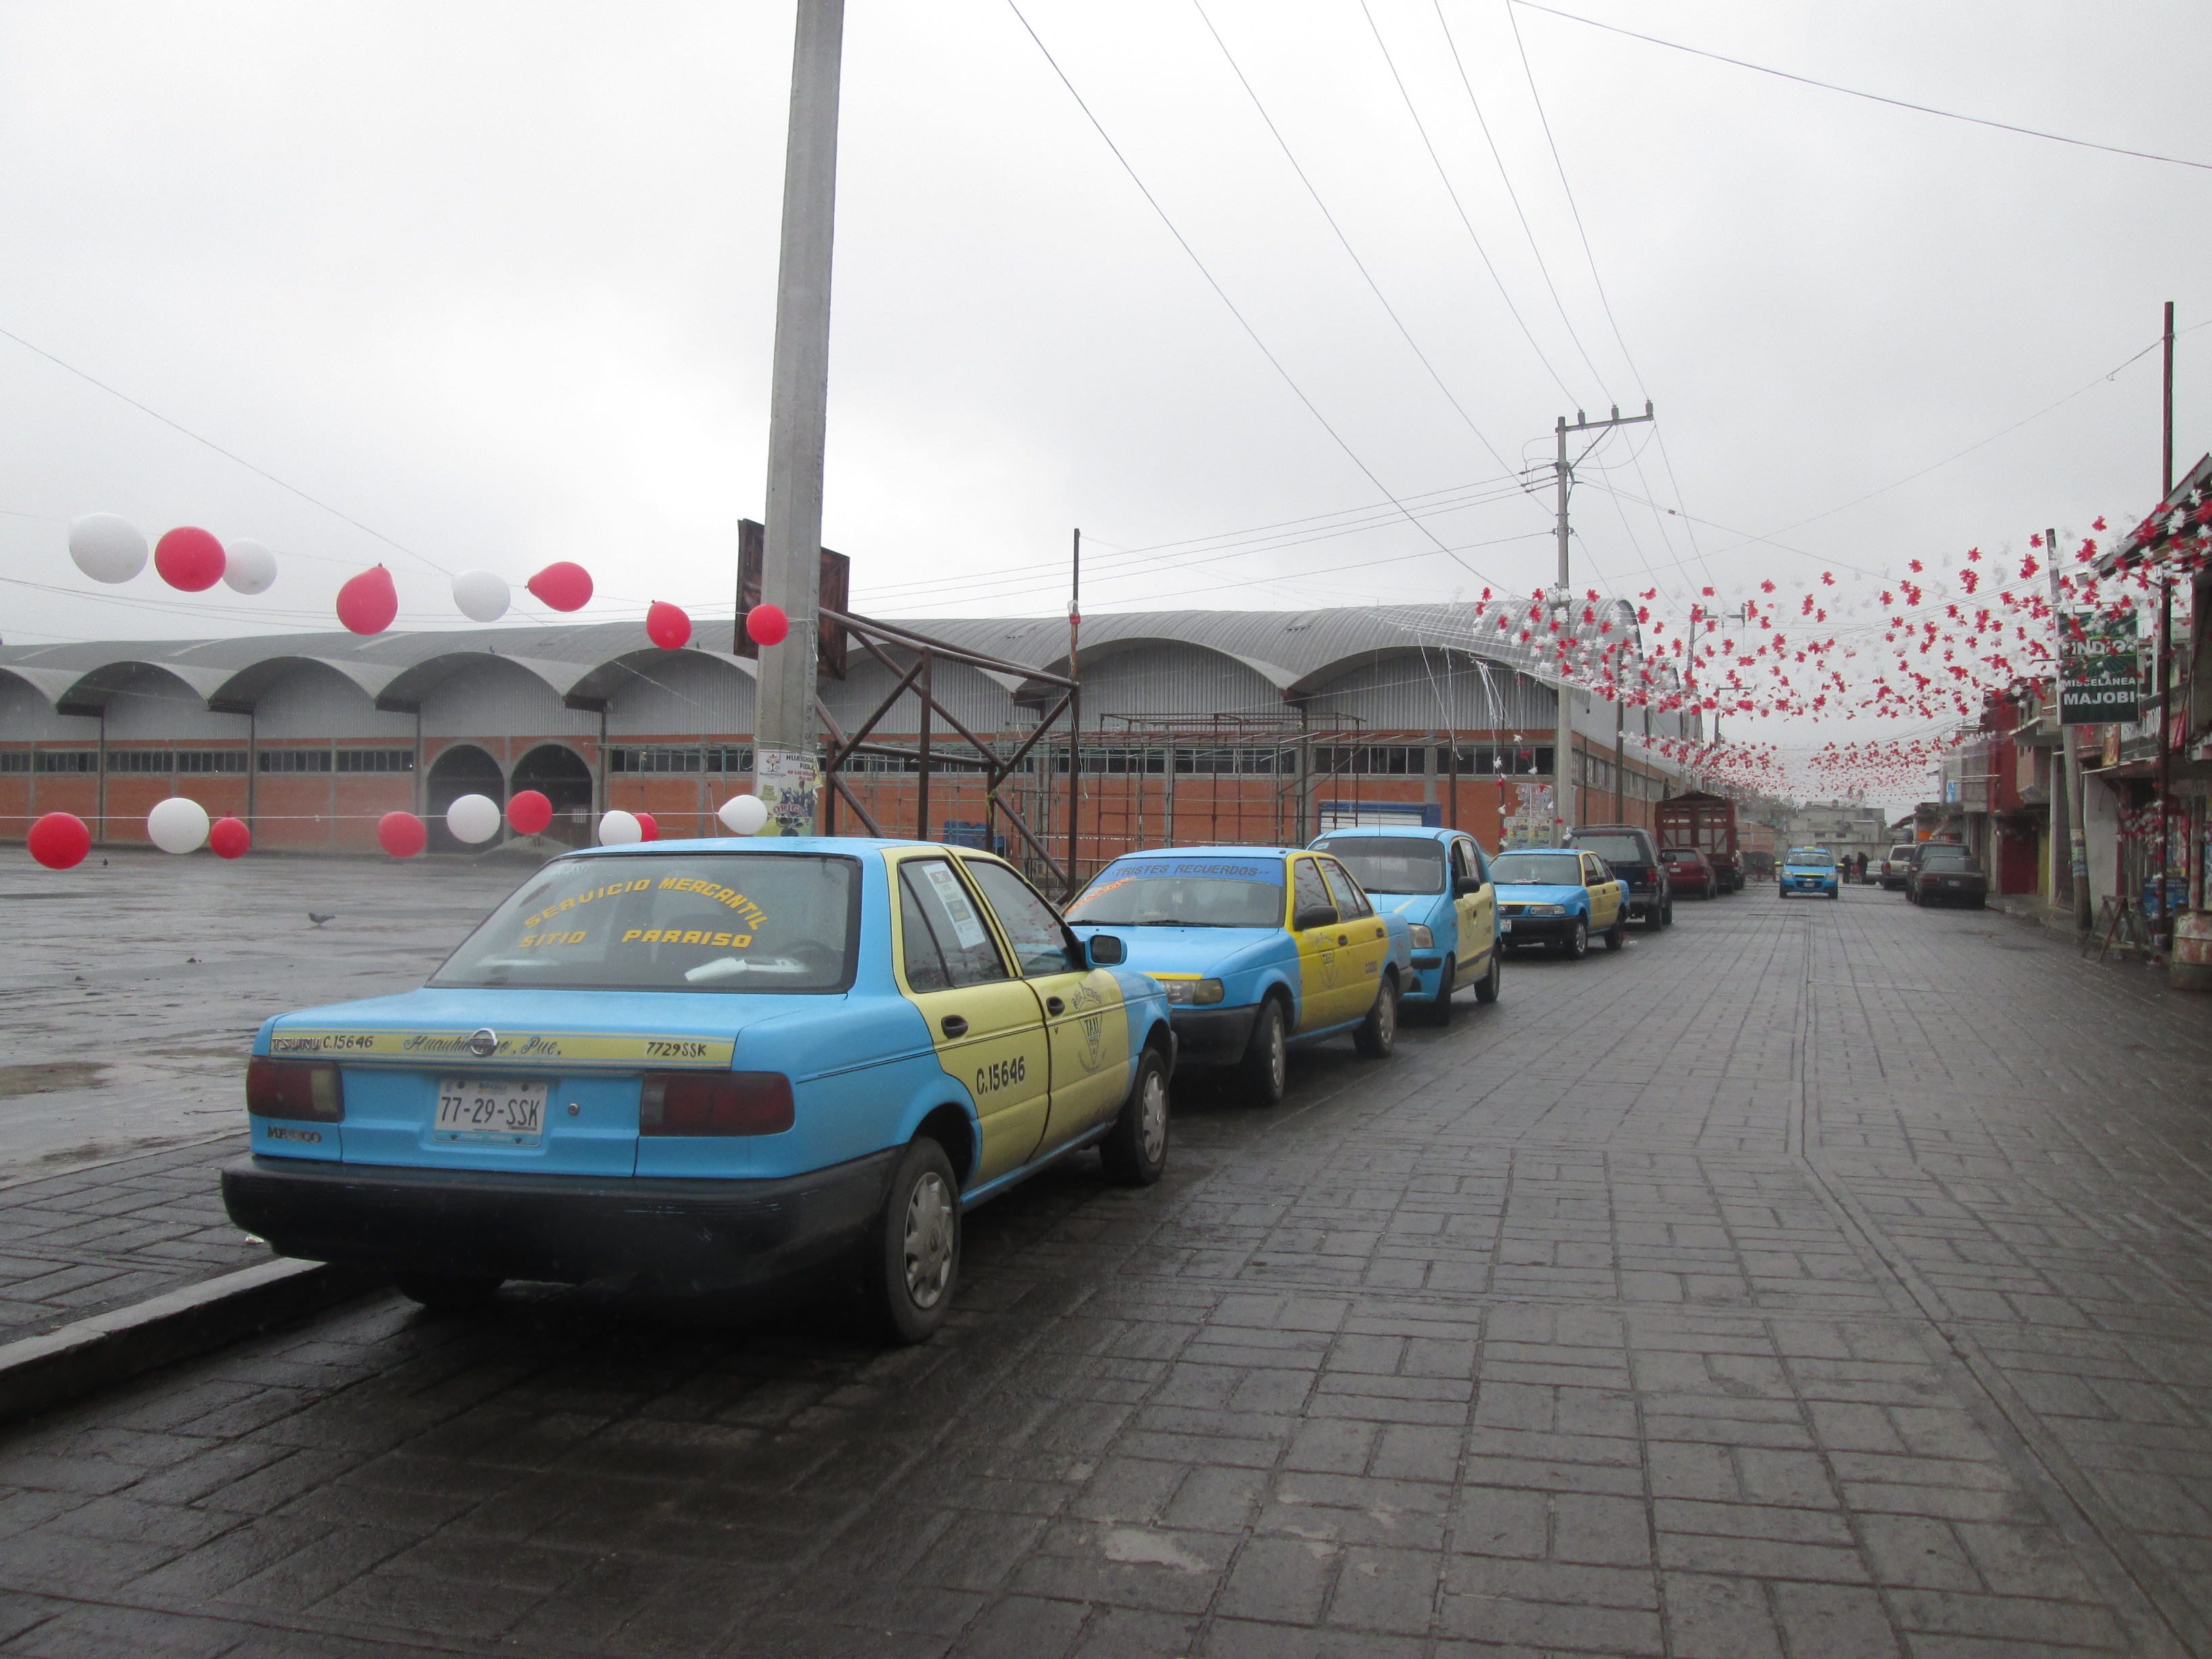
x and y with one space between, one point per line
1483 760
296 760
68 760
204 762
713 758
15 760
1372 760
376 760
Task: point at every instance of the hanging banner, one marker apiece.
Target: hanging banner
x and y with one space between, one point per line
789 784
2099 672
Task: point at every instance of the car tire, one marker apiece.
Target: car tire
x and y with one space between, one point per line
1652 921
1617 935
447 1292
1667 914
1135 1150
910 1262
1440 1006
1487 989
1576 945
1264 1072
1379 1033
1981 903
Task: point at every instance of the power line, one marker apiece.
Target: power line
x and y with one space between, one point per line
1221 294
1871 97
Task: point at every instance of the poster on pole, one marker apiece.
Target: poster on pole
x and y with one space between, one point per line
2100 670
789 784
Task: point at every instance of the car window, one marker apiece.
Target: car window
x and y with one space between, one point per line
1041 944
1948 857
1620 848
945 943
1462 860
1163 890
1309 888
1536 870
672 921
1594 871
1344 891
1390 863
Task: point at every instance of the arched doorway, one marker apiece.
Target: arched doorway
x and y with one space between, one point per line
463 770
558 773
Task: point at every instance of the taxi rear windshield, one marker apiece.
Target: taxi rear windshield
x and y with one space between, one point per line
1614 850
1537 870
1390 863
672 921
1183 893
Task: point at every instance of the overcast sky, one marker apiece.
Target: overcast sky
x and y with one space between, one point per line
497 282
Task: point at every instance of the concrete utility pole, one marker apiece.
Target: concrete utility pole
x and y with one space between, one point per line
2077 834
785 764
1563 737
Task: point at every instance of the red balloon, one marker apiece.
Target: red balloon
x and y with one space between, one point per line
650 830
189 559
528 812
230 838
58 841
368 604
563 586
402 835
766 624
667 625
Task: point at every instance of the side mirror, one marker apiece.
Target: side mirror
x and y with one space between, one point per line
1106 952
1462 885
1314 915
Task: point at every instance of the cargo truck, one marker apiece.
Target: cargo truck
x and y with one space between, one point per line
1708 823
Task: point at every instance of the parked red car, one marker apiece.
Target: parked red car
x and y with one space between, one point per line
1691 871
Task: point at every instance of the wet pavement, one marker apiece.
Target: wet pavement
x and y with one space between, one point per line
1813 1279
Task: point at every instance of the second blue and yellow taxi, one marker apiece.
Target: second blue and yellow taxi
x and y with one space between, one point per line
1809 870
1261 949
1560 897
1439 880
694 1066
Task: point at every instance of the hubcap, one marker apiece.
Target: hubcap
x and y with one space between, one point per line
1276 1058
1153 1117
929 1223
1386 1015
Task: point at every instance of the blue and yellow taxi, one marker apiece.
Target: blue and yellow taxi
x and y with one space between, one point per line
695 1066
1439 882
1809 870
1560 897
1261 949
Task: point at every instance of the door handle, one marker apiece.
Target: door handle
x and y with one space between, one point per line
953 1025
1055 1006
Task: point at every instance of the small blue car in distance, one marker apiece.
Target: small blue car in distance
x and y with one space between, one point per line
1439 882
1260 948
1809 870
697 1065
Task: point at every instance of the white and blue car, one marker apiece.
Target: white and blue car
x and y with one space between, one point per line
1809 870
1439 882
696 1066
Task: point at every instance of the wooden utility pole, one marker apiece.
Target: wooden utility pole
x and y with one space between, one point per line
1075 713
786 766
1563 737
2071 784
2164 924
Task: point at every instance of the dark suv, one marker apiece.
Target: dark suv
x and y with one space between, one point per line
1634 856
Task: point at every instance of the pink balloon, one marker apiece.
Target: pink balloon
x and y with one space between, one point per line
189 559
766 624
230 838
667 625
528 812
402 835
58 841
650 830
368 602
563 586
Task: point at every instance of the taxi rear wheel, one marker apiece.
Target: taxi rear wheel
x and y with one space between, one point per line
1264 1070
1487 987
1135 1150
1617 935
1379 1033
911 1264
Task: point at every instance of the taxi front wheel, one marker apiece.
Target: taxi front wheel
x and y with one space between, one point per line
1135 1150
1265 1069
911 1261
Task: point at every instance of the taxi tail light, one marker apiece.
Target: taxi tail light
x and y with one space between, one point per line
294 1089
715 1103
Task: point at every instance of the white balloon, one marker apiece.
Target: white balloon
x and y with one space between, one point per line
473 818
743 814
178 824
107 549
480 596
248 568
619 829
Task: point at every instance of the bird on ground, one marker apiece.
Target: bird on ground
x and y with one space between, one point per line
319 921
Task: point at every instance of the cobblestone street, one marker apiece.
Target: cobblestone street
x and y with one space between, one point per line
1820 1279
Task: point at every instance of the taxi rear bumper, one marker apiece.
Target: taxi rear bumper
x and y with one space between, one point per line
1212 1036
681 1235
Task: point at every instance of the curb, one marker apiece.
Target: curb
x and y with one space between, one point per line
64 1365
